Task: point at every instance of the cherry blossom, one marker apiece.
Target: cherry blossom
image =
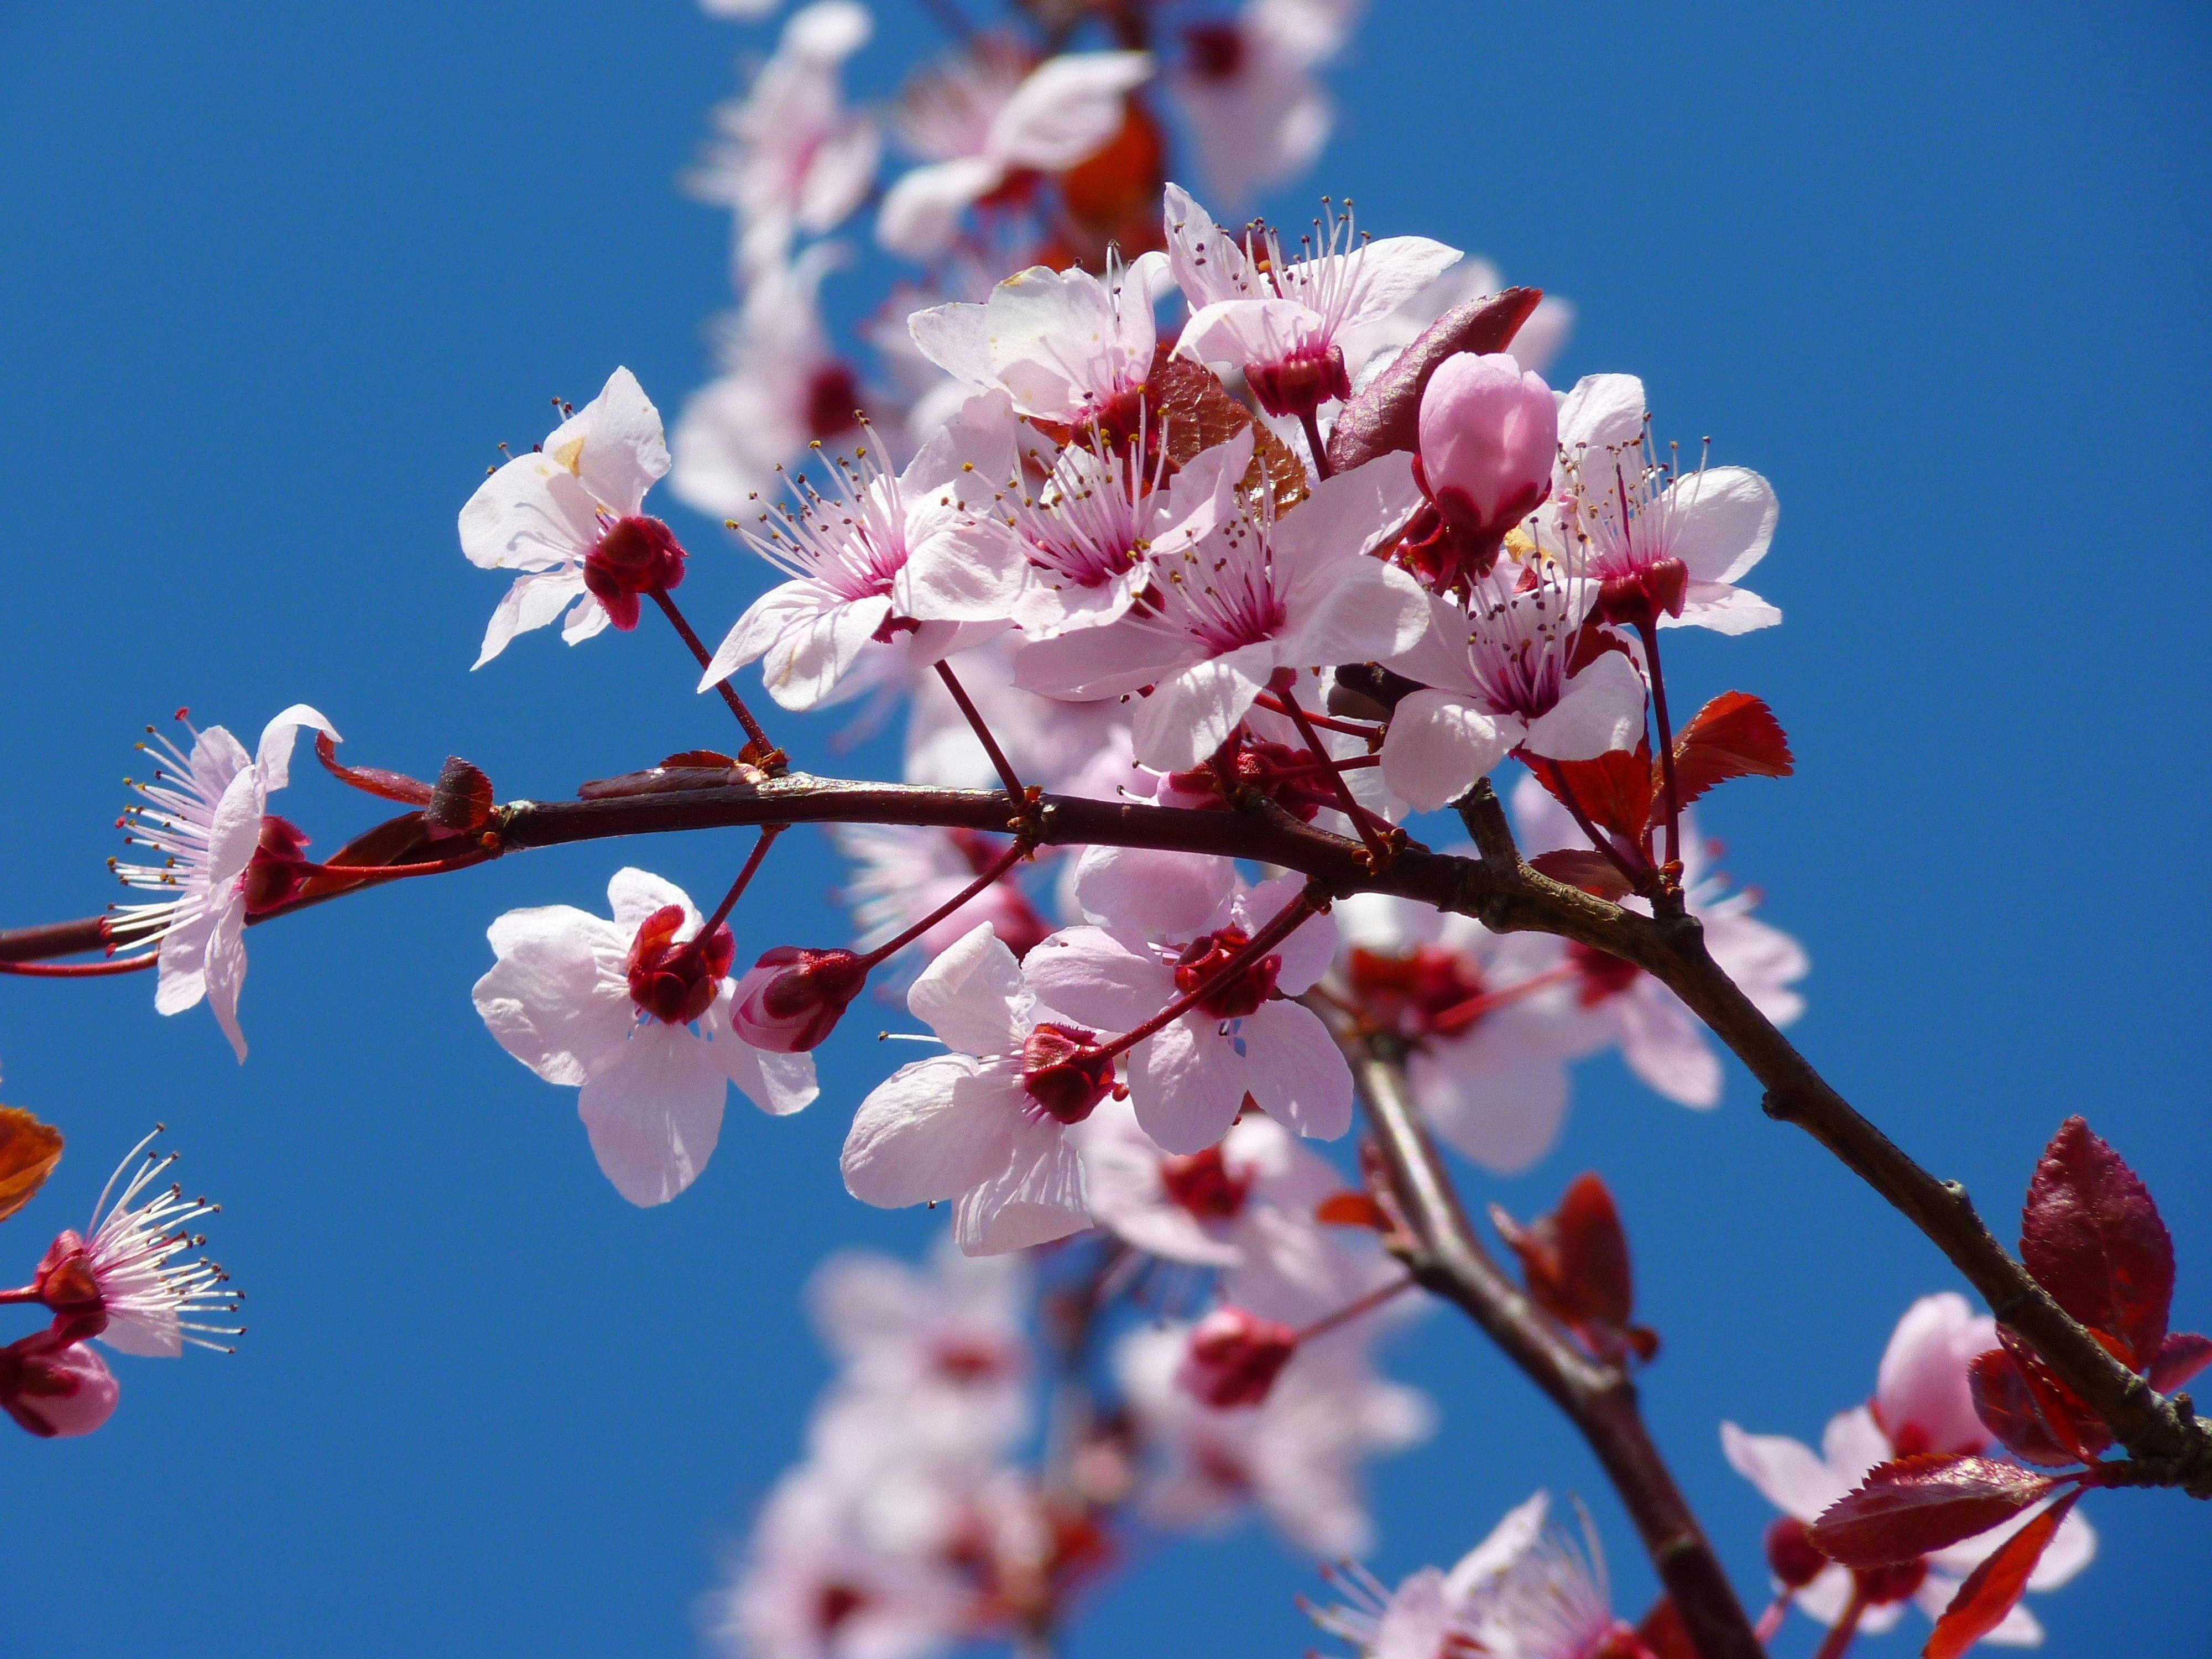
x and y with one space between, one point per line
545 513
1370 347
986 1123
882 555
1668 546
620 1010
1917 1407
1065 345
1279 321
1258 116
205 817
1663 1041
121 1280
791 157
1262 597
987 121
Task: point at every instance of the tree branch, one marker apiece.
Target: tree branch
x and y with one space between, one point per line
1446 1257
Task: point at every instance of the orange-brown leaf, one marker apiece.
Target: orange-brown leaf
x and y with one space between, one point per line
29 1151
1351 1209
1198 413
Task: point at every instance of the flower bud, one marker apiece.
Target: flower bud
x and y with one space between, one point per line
1065 1072
635 556
676 983
792 999
276 873
1235 1357
1791 1555
1489 436
53 1386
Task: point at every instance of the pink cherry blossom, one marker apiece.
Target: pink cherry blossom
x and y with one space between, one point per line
791 157
1370 348
1663 1042
1258 117
543 514
203 820
986 119
881 555
1065 345
1279 321
1921 1399
975 1124
1189 1080
651 1090
1262 596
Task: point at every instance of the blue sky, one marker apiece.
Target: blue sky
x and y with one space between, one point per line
277 280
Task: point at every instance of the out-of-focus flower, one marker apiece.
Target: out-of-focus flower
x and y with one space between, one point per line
987 123
204 820
545 513
1065 345
1921 1397
902 872
1050 743
622 1012
792 157
1258 117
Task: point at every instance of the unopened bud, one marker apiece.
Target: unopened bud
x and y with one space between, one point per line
1065 1072
676 983
277 869
1791 1555
1235 1357
1489 436
55 1388
635 556
792 999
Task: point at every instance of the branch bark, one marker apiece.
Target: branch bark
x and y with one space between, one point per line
1446 1257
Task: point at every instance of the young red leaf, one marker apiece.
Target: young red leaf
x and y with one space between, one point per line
2091 1237
2180 1357
1616 789
1577 1265
371 779
2071 1423
403 840
1912 1506
1192 412
1734 736
1583 867
2006 1407
1385 414
1351 1209
1995 1588
713 758
462 803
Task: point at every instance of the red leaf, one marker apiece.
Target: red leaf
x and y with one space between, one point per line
1195 412
2071 1423
29 1151
1586 868
1663 1634
1577 1265
1615 789
462 803
1385 414
709 758
2091 1237
1734 736
2180 1357
2008 1408
1352 1210
371 779
402 840
1906 1509
1995 1588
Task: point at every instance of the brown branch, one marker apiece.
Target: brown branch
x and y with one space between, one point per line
1446 1257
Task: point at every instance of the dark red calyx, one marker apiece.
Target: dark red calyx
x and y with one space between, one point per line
1235 1357
1217 51
1432 992
1452 543
635 556
1640 598
1299 385
278 868
676 983
1882 1585
1203 1184
792 998
1244 766
1065 1072
833 403
1599 974
1239 994
968 1362
835 1603
65 1283
1791 1555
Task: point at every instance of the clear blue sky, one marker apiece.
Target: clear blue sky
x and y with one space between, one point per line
275 278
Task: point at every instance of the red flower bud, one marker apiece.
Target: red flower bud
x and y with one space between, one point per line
792 999
1235 1357
52 1386
676 983
635 556
1791 1555
276 873
1489 434
1882 1585
1065 1072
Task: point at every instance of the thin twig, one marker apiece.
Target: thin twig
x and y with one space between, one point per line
767 756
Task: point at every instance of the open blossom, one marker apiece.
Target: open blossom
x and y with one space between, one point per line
882 555
1281 321
1920 1391
1065 345
1499 677
625 1013
986 1123
121 1280
1258 116
1663 1041
1174 920
205 818
1262 596
988 123
790 156
547 513
1488 1021
1371 347
1666 546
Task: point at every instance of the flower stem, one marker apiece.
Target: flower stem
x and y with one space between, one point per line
1839 1639
967 707
768 834
767 756
79 969
1311 421
1279 928
1366 1303
1367 731
1649 631
1378 854
1006 861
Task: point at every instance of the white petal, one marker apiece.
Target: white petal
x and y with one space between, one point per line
1438 744
929 1131
973 997
1295 1070
1725 609
225 972
1722 521
1172 893
1038 1196
532 601
634 895
1068 109
1109 980
1186 1083
1191 714
1602 709
1495 1100
1786 1471
557 1000
920 214
654 1110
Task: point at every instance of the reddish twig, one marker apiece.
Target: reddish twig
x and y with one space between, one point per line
766 755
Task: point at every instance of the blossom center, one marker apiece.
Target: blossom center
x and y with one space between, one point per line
1601 975
676 983
1065 1072
1203 1184
1217 50
1241 992
1431 992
